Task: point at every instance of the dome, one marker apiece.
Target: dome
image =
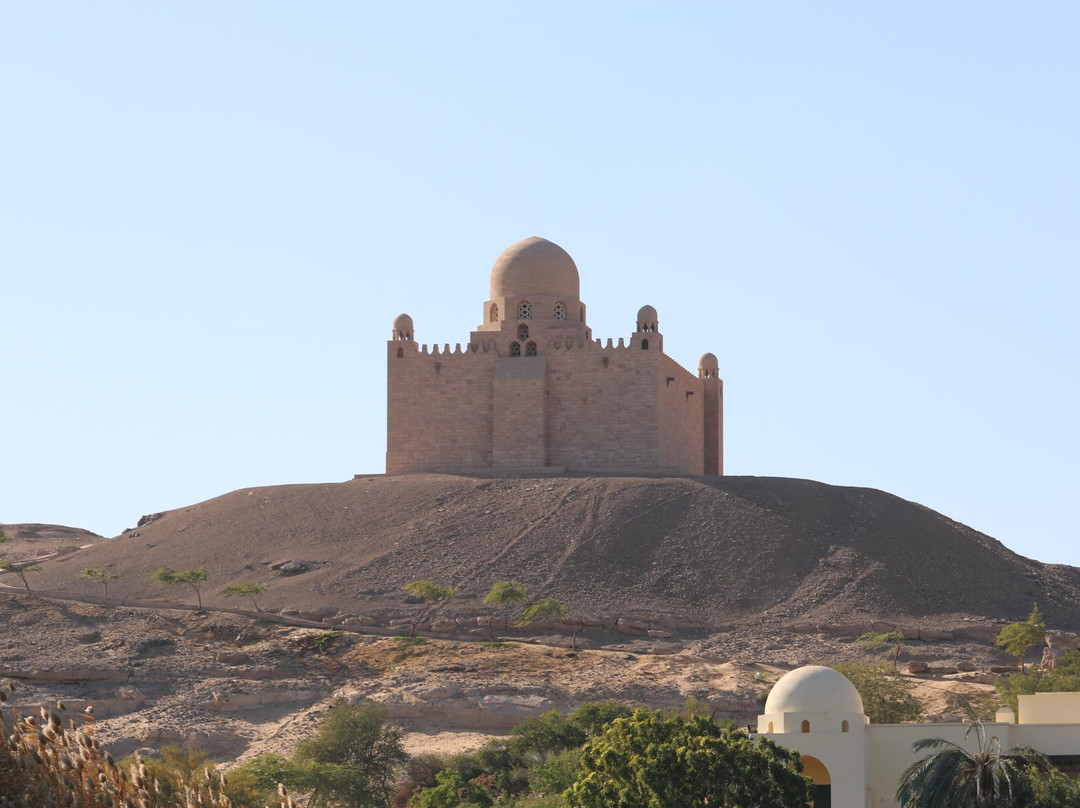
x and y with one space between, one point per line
709 361
403 323
647 314
813 689
534 266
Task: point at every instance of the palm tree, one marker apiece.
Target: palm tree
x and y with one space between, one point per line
953 777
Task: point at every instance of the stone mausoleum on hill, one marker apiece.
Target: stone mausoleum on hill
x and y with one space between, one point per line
532 391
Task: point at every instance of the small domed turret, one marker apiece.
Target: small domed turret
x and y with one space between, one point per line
647 319
708 366
403 327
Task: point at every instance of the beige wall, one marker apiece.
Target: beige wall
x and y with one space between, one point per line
1050 708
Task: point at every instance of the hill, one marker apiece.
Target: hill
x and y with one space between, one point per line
718 551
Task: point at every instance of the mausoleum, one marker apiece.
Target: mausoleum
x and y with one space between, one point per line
532 391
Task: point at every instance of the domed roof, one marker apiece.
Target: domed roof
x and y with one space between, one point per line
813 689
534 266
403 323
708 361
647 314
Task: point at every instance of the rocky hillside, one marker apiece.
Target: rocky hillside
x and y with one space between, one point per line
715 551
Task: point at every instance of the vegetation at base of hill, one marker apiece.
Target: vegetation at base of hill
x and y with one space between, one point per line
1047 788
42 763
503 595
872 640
246 589
887 697
20 570
1019 638
3 535
549 609
432 594
192 578
1065 677
100 576
653 758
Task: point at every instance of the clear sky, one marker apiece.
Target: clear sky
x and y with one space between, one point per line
210 213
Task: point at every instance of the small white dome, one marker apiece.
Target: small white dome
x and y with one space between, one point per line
813 689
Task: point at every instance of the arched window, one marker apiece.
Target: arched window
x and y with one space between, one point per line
515 349
530 349
400 353
644 345
560 310
770 726
805 726
493 315
524 310
523 332
844 726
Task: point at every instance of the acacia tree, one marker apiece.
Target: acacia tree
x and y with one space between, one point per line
20 570
549 609
872 640
101 576
246 589
953 776
503 595
192 578
887 697
1019 638
352 760
651 758
432 594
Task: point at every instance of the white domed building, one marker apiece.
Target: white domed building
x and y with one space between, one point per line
532 391
856 764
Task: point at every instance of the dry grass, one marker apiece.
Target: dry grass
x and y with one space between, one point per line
44 765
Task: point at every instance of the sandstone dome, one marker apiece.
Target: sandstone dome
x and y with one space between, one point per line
403 327
647 314
535 266
709 361
813 689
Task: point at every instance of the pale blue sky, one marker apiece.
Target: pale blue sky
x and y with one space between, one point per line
210 213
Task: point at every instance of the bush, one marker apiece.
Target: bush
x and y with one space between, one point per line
1065 677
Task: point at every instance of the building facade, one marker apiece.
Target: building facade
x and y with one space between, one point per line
855 764
532 391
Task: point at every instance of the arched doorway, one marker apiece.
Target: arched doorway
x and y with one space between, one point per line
816 771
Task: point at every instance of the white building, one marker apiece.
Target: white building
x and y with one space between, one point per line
856 764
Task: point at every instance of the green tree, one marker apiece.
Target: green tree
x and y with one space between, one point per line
887 697
1047 787
953 776
100 576
1019 638
872 640
20 570
453 790
1064 678
549 609
192 578
3 535
246 589
503 595
352 759
432 594
652 760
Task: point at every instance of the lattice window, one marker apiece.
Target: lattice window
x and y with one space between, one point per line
530 349
524 310
560 310
494 314
523 332
515 349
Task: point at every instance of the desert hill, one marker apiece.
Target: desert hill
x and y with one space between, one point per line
30 540
712 550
